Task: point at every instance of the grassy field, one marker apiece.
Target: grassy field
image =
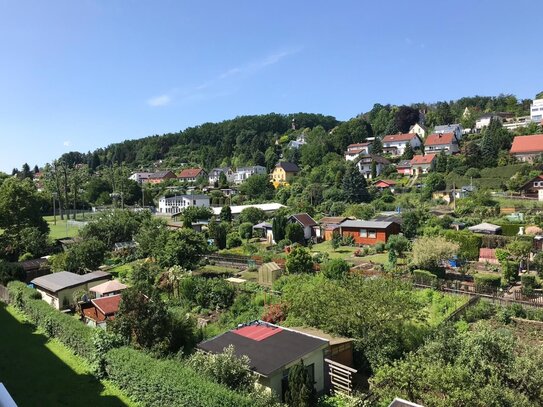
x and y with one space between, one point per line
41 372
343 252
61 228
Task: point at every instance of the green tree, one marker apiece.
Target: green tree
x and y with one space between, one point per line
246 230
376 146
399 244
279 226
226 213
295 233
301 391
252 215
11 272
408 152
430 251
219 232
336 268
85 256
151 237
299 261
183 247
355 186
336 240
223 181
373 169
257 187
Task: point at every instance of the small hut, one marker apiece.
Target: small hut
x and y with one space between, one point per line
268 273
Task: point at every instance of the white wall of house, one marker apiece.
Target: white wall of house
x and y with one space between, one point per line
177 203
365 169
400 146
243 173
536 110
451 148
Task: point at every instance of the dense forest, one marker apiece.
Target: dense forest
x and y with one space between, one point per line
256 140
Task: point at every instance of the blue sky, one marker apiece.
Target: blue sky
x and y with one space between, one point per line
77 75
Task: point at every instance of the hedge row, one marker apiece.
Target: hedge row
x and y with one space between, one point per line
424 277
149 381
487 282
153 382
65 328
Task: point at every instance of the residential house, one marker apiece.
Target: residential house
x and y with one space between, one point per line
354 150
300 141
527 148
112 287
385 184
398 402
404 167
283 173
215 174
517 123
419 129
533 187
329 225
268 208
159 177
98 311
536 111
422 164
5 398
273 350
58 288
395 144
450 128
310 227
140 177
243 173
190 175
484 120
177 203
438 142
367 232
366 162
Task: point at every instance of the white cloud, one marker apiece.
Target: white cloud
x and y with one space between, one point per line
67 143
157 101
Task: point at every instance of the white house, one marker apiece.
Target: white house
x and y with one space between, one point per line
268 208
419 130
365 163
300 141
140 177
536 111
215 174
395 144
354 150
438 142
484 120
243 173
450 128
178 203
308 224
422 164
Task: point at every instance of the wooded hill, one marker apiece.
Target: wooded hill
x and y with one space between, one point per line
256 140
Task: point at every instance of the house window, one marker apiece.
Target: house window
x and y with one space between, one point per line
363 233
372 234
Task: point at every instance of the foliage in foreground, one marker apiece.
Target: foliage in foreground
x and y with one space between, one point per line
480 367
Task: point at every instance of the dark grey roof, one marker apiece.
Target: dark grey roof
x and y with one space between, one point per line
404 163
365 224
289 167
188 196
270 354
64 279
446 128
304 219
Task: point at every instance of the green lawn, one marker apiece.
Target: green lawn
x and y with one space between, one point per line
42 372
343 252
61 229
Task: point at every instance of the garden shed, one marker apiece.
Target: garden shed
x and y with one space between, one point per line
486 229
268 273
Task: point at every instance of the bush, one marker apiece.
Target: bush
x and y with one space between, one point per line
246 230
65 328
153 382
481 310
425 277
487 282
348 241
335 268
528 284
379 247
11 272
233 240
207 293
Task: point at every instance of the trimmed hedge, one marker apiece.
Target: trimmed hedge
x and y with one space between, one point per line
67 329
154 382
424 277
487 282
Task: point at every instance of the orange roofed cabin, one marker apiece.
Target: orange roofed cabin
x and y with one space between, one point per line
526 148
368 232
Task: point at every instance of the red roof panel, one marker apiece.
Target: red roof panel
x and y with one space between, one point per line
439 139
391 138
257 332
528 144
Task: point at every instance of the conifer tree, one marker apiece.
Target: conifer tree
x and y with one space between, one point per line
355 186
301 392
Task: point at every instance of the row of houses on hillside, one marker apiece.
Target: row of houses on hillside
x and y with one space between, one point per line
282 173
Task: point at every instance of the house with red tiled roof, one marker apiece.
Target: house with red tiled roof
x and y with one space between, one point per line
191 174
395 144
385 184
438 142
526 148
356 149
422 164
98 311
160 176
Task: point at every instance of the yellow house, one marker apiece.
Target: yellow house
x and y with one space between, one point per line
283 173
